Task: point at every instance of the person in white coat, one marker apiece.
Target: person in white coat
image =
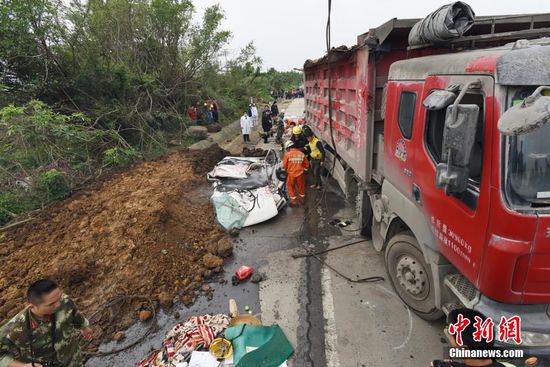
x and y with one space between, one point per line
254 115
246 125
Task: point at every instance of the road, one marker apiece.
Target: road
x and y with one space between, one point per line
330 320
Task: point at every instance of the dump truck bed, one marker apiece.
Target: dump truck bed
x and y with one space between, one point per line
360 73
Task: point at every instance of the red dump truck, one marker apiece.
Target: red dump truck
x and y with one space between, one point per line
446 149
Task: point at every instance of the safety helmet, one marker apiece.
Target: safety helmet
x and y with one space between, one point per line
307 131
296 130
289 144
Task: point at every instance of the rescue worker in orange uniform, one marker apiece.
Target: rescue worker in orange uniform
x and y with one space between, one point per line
296 164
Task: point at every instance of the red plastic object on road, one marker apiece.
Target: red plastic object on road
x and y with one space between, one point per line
244 272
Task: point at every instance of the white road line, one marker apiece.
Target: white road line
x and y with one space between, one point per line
410 330
409 334
331 336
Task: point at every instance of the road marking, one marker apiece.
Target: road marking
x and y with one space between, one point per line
410 330
331 336
409 334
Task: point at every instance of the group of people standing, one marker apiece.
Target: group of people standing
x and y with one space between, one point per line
204 114
249 119
289 94
304 153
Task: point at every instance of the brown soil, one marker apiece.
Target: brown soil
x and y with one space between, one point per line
255 152
141 232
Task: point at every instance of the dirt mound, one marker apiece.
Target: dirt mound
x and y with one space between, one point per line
256 152
145 231
204 160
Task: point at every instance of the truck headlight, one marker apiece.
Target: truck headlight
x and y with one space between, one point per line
532 339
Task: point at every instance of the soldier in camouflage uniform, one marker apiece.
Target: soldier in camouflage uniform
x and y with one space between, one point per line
280 128
31 337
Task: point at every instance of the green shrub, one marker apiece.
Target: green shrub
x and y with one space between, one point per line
52 185
15 202
118 157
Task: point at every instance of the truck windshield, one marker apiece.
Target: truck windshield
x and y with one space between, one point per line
529 163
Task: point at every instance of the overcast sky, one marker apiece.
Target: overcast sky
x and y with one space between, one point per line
287 32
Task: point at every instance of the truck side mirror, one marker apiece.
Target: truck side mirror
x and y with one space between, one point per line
531 113
458 142
439 99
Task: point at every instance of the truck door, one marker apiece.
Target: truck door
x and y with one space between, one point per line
458 221
404 101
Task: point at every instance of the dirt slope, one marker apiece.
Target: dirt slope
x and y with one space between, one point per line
144 231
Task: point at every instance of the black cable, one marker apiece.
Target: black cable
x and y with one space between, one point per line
296 256
329 77
322 196
370 279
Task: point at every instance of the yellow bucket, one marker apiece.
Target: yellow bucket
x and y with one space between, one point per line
221 348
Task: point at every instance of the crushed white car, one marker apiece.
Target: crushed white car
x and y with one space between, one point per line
247 190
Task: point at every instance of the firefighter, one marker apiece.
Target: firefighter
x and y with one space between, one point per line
316 154
296 164
298 138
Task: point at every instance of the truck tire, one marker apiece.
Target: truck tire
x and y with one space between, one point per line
366 216
411 276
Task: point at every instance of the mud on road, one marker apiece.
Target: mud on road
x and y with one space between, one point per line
140 232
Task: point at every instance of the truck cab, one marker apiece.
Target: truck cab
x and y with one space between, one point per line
443 148
470 194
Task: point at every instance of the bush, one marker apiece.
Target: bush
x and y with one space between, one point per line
52 185
14 202
118 157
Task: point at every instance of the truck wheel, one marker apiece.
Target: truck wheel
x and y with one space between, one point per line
366 216
411 276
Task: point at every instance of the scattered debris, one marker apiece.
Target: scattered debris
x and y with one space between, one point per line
244 272
340 223
187 300
224 248
194 334
166 300
234 280
145 315
259 345
211 261
221 348
257 278
119 336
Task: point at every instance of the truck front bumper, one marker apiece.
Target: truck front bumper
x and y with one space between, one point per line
535 326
